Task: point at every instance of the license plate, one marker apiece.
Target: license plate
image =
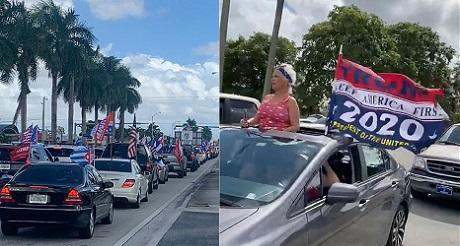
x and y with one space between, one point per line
5 166
38 199
443 189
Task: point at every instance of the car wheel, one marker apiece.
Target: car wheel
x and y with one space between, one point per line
137 204
185 172
155 186
146 198
9 229
150 187
398 226
180 174
109 218
88 230
418 194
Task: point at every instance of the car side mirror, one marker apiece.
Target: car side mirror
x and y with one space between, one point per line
107 184
56 159
342 193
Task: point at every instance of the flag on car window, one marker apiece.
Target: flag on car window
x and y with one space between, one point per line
132 143
384 110
178 151
21 153
81 155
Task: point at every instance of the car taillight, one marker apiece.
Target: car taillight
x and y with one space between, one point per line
148 167
128 183
5 195
73 198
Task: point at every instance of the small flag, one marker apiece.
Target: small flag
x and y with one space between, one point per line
27 135
21 153
79 156
132 143
178 151
159 145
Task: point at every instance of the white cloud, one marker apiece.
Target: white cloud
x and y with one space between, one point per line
177 91
248 17
107 50
65 4
210 49
116 9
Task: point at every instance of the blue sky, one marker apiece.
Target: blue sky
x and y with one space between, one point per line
170 46
171 29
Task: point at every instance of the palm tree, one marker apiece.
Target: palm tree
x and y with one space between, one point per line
129 102
21 36
62 33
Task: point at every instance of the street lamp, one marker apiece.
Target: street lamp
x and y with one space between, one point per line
155 114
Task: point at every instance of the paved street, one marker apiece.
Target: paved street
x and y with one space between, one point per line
431 221
127 221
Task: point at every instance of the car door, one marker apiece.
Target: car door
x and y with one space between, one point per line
105 193
380 192
97 193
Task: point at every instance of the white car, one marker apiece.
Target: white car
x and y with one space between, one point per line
129 183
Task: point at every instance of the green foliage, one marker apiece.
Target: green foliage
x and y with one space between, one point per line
246 62
207 134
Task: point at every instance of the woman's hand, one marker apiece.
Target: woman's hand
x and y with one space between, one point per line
244 123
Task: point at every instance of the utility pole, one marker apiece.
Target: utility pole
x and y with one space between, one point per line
273 45
223 38
43 120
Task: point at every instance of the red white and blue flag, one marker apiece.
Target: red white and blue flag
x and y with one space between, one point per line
132 146
103 128
81 155
386 110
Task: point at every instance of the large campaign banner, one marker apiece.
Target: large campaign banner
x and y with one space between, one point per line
385 110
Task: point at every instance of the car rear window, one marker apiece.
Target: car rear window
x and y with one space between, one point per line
5 155
60 152
116 166
51 175
237 109
116 151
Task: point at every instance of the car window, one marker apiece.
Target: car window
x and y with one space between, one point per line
116 166
98 177
221 110
374 160
91 177
35 156
5 155
60 152
142 157
50 174
237 108
137 169
42 154
48 155
313 190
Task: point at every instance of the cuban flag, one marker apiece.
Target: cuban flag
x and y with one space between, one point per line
81 155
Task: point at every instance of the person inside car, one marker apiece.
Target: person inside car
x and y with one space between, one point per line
278 111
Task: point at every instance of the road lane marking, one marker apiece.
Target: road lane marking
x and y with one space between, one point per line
131 233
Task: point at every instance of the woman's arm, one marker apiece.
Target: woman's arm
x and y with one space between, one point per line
294 116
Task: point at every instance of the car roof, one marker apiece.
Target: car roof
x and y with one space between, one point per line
239 97
113 159
57 146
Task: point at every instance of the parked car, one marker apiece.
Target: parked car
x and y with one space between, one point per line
192 162
436 170
163 171
173 166
61 152
143 157
130 184
61 193
38 154
232 108
276 189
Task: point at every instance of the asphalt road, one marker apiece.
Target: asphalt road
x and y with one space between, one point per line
127 221
431 222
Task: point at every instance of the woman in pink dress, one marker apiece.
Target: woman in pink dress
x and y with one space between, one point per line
278 111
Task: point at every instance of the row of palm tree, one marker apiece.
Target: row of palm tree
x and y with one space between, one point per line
78 71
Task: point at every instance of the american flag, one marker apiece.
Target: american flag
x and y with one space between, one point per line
99 131
27 135
159 145
132 143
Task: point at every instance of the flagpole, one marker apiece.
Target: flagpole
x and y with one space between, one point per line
326 131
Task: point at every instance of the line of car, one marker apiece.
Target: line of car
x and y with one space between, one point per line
52 190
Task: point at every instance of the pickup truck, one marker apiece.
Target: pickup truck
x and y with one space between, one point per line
436 170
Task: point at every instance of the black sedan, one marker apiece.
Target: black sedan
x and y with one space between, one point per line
60 194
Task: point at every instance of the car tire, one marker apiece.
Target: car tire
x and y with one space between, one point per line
9 229
180 174
397 231
150 187
185 172
109 219
418 194
88 230
137 204
146 198
157 181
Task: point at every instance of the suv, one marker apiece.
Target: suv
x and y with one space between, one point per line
192 162
436 170
144 158
233 107
282 188
8 168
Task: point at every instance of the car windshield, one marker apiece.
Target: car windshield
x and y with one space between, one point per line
115 166
256 169
451 136
60 152
68 175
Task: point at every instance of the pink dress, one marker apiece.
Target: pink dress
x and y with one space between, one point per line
274 116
